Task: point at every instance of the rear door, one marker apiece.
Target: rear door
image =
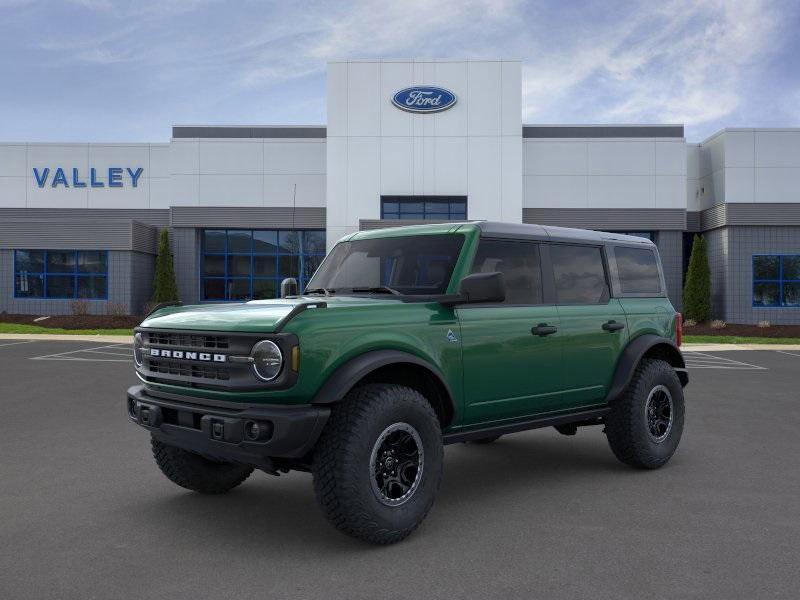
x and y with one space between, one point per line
510 371
593 325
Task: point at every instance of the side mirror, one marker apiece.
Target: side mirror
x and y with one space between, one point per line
288 287
482 287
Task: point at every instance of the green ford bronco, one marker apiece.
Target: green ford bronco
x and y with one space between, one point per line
407 339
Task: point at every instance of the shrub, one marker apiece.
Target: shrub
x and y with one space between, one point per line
689 323
79 308
116 309
764 324
165 288
697 291
718 324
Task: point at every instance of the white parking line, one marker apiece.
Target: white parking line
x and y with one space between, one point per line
102 350
701 360
787 353
16 343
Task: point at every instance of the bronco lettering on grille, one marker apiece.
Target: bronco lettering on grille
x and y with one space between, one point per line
180 354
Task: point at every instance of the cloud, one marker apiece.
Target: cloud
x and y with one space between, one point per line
680 62
705 63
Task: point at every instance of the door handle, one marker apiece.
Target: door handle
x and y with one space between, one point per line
543 329
612 326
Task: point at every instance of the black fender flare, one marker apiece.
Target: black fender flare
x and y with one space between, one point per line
632 355
354 370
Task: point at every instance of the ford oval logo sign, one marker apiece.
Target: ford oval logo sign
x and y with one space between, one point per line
424 99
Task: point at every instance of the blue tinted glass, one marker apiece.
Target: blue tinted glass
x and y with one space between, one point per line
314 242
214 240
28 286
765 267
239 241
289 242
791 267
412 207
390 207
265 242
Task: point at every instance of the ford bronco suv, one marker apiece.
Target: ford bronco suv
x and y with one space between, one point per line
407 339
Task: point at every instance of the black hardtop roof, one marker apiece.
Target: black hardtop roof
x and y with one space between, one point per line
556 234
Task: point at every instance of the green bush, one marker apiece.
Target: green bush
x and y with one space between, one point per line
165 287
697 291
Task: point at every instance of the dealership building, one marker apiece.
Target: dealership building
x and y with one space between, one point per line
407 141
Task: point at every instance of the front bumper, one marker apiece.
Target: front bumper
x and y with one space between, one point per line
226 433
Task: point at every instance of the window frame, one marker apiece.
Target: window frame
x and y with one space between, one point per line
75 274
617 291
604 261
780 281
442 199
548 296
252 278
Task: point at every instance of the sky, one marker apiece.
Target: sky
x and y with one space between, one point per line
126 71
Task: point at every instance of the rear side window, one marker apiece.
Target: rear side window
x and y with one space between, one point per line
519 264
638 270
579 274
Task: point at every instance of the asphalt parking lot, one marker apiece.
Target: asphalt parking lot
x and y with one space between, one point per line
84 512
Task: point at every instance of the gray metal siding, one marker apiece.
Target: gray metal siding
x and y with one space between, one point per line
608 218
157 217
693 221
130 276
256 217
186 259
313 132
743 243
144 238
670 248
370 224
602 131
66 234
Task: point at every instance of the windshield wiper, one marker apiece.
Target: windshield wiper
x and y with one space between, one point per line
324 291
378 289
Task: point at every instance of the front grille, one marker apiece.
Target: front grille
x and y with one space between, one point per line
186 369
188 340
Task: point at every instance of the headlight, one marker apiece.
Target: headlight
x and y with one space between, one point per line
267 360
138 349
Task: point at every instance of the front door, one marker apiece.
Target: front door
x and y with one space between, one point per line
511 350
593 325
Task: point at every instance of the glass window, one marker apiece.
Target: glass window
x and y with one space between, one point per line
579 274
244 264
424 208
776 280
413 264
638 270
519 264
64 274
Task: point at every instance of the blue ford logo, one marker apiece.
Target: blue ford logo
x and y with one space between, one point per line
424 99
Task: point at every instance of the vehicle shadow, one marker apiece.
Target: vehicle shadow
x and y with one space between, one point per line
267 513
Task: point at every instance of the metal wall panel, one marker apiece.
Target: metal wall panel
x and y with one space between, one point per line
608 218
158 217
264 217
70 234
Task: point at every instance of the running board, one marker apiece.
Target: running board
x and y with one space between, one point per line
584 417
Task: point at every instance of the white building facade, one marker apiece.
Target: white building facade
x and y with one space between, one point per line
249 205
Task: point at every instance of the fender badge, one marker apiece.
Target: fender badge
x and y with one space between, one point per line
451 337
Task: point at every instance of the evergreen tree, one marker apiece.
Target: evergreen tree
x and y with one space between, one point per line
697 291
165 287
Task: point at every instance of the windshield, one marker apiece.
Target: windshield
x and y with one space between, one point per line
409 265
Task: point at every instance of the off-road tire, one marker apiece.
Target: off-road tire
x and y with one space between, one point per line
487 440
343 480
196 473
627 426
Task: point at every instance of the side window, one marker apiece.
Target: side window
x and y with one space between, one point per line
579 274
519 264
638 270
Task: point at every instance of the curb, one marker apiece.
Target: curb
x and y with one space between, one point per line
733 347
62 337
